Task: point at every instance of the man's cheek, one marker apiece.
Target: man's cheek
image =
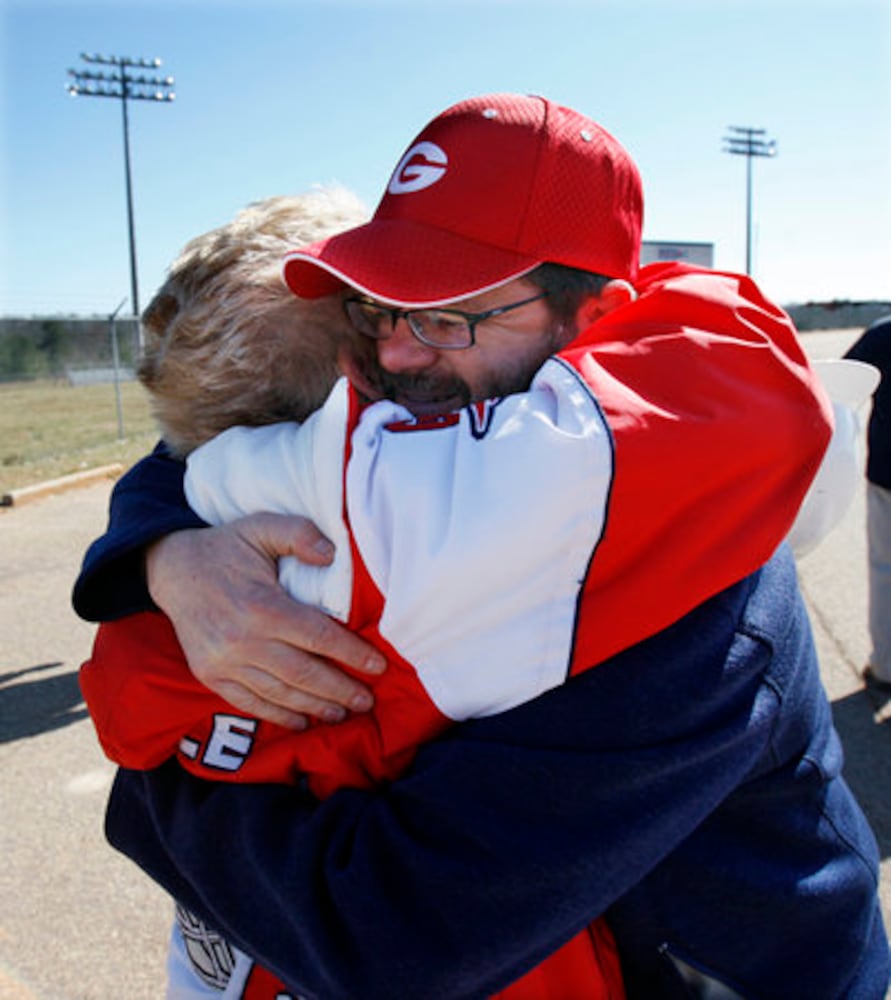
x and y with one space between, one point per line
358 362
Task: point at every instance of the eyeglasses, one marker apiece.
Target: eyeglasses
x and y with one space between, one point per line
445 329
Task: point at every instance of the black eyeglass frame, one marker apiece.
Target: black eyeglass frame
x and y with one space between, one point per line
470 319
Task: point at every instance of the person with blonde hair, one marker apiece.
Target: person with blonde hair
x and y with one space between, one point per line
225 342
228 344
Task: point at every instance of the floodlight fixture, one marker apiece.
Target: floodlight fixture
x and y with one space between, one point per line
749 142
120 83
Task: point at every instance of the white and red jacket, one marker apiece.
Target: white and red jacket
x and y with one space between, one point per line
495 552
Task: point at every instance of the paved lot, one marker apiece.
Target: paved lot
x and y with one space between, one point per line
77 922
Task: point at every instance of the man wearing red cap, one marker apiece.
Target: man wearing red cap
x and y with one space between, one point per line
688 786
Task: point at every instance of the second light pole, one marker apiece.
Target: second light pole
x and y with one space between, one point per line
749 142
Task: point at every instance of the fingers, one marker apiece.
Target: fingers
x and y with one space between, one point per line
252 704
313 689
284 686
241 633
283 679
283 534
305 628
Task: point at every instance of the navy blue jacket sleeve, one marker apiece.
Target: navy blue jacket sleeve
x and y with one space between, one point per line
690 788
506 838
146 504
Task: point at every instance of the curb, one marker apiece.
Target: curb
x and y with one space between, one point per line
26 493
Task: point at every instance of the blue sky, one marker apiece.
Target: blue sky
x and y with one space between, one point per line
275 96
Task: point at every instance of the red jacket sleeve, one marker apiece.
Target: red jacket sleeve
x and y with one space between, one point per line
139 691
147 707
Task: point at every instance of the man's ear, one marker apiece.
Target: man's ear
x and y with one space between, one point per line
614 293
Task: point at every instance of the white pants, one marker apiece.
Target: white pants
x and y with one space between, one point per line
201 964
878 532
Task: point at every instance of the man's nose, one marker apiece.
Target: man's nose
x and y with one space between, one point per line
403 352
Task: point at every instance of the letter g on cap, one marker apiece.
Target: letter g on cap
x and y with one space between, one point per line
424 164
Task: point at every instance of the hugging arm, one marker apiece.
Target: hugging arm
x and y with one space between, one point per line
689 787
368 888
243 636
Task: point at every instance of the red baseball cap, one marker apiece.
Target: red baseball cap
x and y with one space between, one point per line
490 189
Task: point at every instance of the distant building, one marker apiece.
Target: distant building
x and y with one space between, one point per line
653 251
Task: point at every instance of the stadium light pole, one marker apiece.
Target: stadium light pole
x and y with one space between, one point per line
749 142
123 84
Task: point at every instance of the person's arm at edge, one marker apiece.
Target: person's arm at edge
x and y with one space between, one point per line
278 671
147 503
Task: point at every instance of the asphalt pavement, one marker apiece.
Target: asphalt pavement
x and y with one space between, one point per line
79 922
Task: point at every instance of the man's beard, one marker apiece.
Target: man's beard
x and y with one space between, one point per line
373 382
427 389
424 391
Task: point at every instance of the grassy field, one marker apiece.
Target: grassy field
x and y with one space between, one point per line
50 428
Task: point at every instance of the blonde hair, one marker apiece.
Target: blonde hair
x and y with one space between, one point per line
226 342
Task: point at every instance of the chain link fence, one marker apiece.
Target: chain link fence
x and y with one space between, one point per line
80 351
101 349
